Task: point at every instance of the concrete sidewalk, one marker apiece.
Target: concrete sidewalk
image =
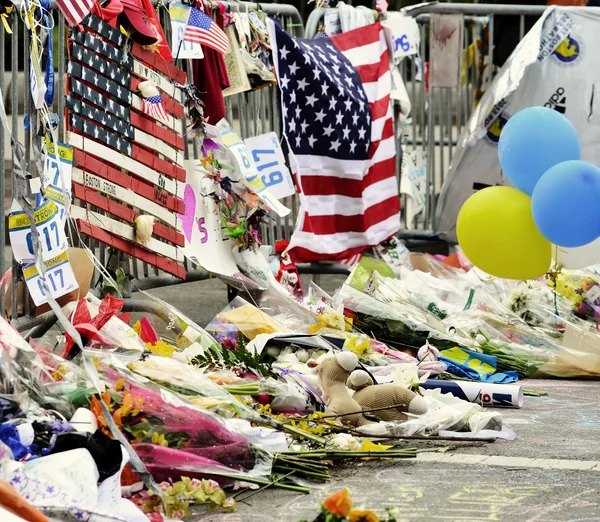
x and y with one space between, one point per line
550 473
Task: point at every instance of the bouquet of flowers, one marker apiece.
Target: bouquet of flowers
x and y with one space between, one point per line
339 508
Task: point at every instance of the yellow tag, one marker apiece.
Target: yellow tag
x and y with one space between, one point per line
42 214
462 357
32 271
231 138
55 195
65 152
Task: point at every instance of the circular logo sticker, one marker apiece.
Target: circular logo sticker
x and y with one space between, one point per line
495 129
569 50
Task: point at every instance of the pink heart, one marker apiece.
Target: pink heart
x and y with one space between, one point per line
187 219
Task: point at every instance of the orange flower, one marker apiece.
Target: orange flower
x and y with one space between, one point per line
96 408
131 405
362 515
117 417
339 503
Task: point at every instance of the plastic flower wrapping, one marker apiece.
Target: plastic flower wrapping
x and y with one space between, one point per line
184 413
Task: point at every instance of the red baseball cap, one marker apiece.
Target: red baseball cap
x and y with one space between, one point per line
137 23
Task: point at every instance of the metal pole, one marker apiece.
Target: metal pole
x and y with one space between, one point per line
15 131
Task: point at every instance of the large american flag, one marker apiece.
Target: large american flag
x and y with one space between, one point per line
338 121
201 29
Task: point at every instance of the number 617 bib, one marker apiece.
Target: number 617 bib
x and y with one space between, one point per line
50 230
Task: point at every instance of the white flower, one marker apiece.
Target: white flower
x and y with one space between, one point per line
343 442
480 339
428 353
273 351
302 356
144 225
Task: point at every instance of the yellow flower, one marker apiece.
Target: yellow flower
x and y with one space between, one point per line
159 439
348 323
161 348
358 345
131 405
362 515
137 328
319 325
339 503
367 445
120 385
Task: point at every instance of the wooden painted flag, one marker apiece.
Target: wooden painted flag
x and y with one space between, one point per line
128 150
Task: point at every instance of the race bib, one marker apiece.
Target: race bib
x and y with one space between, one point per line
50 229
270 164
51 174
59 276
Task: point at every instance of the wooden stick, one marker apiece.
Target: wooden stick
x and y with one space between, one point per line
361 411
422 437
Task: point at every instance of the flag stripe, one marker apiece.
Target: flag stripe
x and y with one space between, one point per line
355 223
380 108
330 185
356 43
340 245
75 10
370 73
206 36
323 205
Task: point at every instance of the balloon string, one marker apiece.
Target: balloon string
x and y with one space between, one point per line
553 275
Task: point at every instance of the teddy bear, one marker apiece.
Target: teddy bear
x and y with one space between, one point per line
333 373
372 397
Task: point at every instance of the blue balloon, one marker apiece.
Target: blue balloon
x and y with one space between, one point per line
534 140
565 204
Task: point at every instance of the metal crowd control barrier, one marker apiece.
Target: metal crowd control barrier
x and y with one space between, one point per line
437 118
439 114
251 113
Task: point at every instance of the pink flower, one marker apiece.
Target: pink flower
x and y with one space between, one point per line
229 503
210 486
196 483
164 486
178 515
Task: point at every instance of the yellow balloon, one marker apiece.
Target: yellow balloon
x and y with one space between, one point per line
496 231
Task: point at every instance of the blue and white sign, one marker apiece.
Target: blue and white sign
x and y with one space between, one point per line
270 164
402 34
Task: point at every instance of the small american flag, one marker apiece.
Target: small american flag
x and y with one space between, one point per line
153 107
201 29
75 10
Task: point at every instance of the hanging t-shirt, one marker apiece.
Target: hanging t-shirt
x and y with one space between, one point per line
210 77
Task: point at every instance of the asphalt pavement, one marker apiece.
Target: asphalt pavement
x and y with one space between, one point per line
550 473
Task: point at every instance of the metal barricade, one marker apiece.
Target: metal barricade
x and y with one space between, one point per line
439 114
251 113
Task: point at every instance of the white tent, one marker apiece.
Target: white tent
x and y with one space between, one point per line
556 65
